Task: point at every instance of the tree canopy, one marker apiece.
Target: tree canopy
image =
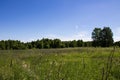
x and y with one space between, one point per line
102 37
44 43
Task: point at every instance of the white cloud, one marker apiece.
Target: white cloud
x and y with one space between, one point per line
116 34
81 35
84 35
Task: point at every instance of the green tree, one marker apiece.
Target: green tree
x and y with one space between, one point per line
117 43
73 43
66 43
46 43
57 43
2 45
79 43
106 37
38 44
96 37
28 45
103 38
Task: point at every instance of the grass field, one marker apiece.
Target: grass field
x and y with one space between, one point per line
60 64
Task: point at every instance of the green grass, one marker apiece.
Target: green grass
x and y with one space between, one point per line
60 64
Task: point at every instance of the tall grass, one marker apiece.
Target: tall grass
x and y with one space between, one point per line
60 64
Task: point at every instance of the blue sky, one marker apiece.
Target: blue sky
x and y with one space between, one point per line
28 20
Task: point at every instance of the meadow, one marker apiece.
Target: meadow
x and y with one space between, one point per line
60 64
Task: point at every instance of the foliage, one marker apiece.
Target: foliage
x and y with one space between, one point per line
96 37
117 43
102 37
11 44
44 43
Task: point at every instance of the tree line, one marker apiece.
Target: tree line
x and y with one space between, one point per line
44 43
101 38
